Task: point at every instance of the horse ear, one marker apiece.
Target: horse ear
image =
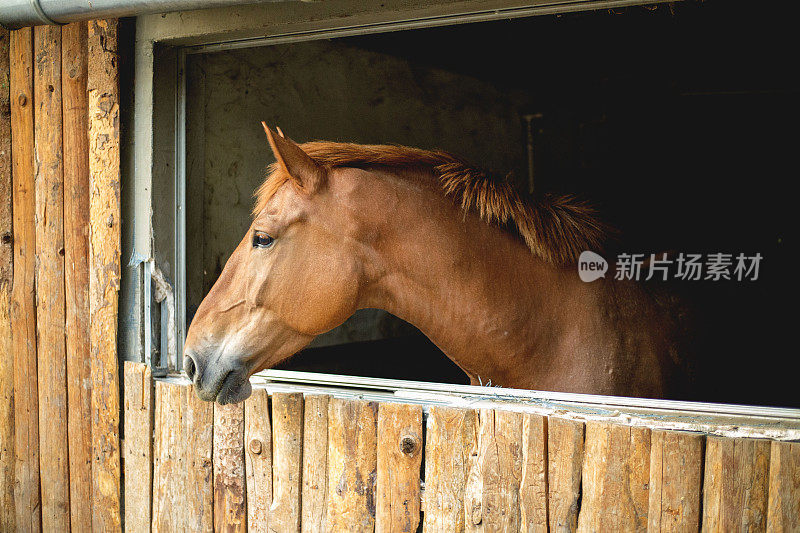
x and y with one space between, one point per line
294 161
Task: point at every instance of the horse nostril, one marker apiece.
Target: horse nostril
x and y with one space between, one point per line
189 367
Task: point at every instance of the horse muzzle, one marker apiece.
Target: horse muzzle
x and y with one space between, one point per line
222 382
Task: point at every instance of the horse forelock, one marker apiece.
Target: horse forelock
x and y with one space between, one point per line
555 228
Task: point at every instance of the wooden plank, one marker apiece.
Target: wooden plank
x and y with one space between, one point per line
533 487
23 293
315 463
565 462
783 510
492 492
104 274
258 460
76 269
450 438
352 465
736 481
229 485
399 461
616 477
676 468
50 299
183 492
287 462
138 446
7 520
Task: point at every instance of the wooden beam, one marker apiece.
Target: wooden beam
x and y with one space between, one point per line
230 513
352 465
76 247
492 492
315 463
735 486
565 462
183 492
783 512
50 299
399 460
616 474
7 519
676 471
450 438
533 486
138 446
287 461
104 273
258 460
23 294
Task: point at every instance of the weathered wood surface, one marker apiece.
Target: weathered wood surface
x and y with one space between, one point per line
450 438
565 463
735 484
287 461
491 502
616 477
76 267
783 508
7 520
352 465
23 295
676 470
104 274
230 513
258 460
533 486
50 299
138 446
183 491
399 460
315 463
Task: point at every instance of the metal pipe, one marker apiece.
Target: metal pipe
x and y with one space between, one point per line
20 13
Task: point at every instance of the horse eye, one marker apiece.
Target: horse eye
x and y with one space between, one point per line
262 240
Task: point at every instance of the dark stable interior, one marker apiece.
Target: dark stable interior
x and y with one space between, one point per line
679 122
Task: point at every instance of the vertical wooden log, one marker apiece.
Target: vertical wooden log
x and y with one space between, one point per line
7 520
229 485
315 463
492 493
76 259
352 465
450 438
783 510
616 476
565 461
533 487
287 461
50 302
399 462
183 492
258 460
138 387
23 293
104 273
676 467
735 486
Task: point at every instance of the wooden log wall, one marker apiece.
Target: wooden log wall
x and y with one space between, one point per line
59 278
319 463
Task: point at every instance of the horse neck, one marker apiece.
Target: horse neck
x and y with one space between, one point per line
474 289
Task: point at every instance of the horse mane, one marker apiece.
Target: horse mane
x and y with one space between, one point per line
555 228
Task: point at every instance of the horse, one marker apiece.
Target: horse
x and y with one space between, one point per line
488 276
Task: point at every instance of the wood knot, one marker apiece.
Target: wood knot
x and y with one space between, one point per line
409 444
61 252
255 447
23 100
7 238
477 514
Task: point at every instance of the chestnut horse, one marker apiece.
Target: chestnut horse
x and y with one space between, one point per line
489 278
